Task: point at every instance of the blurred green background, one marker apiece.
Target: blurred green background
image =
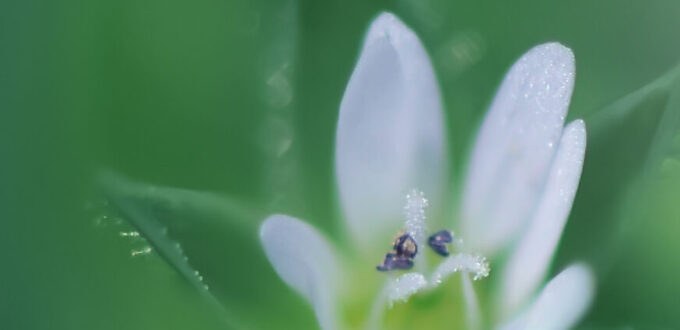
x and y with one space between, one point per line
241 98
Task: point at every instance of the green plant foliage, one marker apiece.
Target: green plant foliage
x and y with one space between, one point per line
628 150
212 242
240 98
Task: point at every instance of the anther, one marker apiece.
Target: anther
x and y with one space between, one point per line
405 246
393 261
405 249
438 242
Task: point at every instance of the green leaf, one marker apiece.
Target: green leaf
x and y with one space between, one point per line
626 140
643 278
649 256
626 212
212 242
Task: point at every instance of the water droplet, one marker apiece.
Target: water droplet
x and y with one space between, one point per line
143 251
279 88
276 136
461 51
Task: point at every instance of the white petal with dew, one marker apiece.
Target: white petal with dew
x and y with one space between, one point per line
390 131
528 264
515 147
561 304
305 261
404 286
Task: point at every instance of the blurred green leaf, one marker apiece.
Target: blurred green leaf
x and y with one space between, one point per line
643 278
629 143
625 140
212 242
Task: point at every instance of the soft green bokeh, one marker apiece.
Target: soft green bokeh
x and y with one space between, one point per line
204 95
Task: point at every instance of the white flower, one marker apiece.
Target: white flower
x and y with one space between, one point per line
520 185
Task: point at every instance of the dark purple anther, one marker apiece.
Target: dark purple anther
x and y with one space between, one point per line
405 246
393 261
438 242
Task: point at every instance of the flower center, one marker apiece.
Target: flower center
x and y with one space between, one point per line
404 255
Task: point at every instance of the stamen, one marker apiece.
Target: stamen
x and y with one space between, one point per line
439 240
414 211
395 289
404 286
395 261
405 246
461 262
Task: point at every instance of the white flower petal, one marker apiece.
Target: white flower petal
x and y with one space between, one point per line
561 304
529 263
515 147
390 131
305 261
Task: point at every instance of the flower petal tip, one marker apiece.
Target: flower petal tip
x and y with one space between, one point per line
582 273
561 304
388 26
565 299
554 66
556 48
577 130
270 224
305 261
559 55
579 125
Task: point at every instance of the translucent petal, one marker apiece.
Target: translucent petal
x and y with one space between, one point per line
561 304
515 147
305 261
528 264
390 131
